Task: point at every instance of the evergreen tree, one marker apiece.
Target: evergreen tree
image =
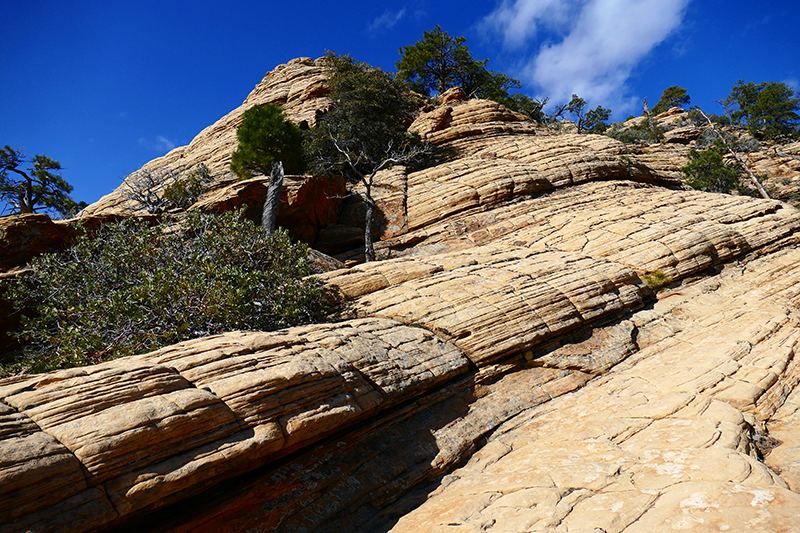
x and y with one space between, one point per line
708 171
576 107
364 131
768 109
673 96
269 143
595 120
40 185
265 137
438 62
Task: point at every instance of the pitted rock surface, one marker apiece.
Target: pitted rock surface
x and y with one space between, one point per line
663 442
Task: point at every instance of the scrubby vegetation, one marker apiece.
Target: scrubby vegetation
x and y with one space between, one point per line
657 280
134 287
709 171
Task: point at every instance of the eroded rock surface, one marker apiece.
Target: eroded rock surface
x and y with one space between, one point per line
668 440
297 86
510 369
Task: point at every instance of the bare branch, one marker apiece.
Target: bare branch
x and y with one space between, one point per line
735 156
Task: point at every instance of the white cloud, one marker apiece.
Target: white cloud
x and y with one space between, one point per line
593 45
387 21
160 144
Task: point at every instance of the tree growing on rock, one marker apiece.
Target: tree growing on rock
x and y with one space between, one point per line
769 109
269 144
438 62
576 108
673 96
596 119
145 187
708 171
592 121
38 185
364 131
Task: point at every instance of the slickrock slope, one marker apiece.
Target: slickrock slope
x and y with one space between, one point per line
296 86
82 447
507 368
667 440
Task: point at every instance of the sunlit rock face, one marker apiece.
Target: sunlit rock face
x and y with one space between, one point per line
505 368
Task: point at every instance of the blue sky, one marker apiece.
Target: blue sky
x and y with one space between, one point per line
106 86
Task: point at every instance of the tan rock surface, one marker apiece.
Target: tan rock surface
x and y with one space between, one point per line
493 302
297 86
512 329
149 427
662 442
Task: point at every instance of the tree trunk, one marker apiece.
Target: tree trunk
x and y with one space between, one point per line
369 247
269 215
736 157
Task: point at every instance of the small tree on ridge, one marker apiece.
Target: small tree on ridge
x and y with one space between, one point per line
268 143
364 132
40 184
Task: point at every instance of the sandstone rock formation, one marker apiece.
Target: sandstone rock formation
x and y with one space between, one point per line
506 368
297 86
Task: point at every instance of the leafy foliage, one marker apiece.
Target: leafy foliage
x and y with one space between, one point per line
577 107
266 137
708 171
592 121
364 131
673 96
366 124
768 109
135 287
39 185
186 190
532 108
438 62
595 120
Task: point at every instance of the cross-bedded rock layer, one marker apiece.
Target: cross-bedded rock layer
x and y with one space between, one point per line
511 369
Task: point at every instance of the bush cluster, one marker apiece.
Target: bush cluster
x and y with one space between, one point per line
709 171
186 190
135 287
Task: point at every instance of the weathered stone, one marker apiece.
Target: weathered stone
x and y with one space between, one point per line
25 236
297 86
512 329
150 427
307 203
656 444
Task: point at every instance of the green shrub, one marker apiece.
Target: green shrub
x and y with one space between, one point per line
708 171
134 288
657 280
186 190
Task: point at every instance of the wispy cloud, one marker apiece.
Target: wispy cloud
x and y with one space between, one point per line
387 21
160 143
586 47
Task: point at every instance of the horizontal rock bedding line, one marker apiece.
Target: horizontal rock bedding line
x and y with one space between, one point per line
82 447
680 233
671 439
493 302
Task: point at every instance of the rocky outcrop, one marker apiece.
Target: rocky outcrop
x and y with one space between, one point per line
506 368
84 447
297 86
307 204
668 440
